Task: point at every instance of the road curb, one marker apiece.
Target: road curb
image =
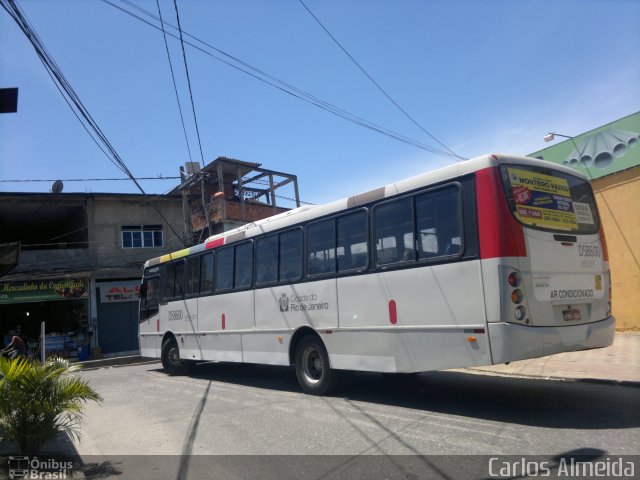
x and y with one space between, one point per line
601 381
116 362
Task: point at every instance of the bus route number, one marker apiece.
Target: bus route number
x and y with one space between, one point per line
589 251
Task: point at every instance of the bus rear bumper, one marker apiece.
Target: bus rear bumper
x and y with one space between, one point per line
510 342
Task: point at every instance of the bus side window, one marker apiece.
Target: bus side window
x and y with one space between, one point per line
244 265
290 267
394 232
427 233
206 273
169 281
450 218
178 291
267 260
438 223
224 269
321 247
193 275
151 297
353 251
149 302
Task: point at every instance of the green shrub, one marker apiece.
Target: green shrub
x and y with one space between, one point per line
39 401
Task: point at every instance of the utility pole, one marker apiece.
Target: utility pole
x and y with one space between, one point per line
186 211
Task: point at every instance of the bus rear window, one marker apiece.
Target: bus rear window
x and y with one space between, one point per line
547 199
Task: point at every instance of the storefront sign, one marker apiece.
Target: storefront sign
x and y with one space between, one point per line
120 293
43 290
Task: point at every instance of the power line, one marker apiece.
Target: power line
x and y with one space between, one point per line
173 77
376 83
186 69
32 36
71 97
31 180
293 199
54 70
275 82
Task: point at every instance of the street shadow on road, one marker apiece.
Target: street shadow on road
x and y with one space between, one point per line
526 401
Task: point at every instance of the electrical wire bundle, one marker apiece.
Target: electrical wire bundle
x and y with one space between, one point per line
72 98
262 76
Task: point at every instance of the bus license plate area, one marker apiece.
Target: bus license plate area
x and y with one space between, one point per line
571 315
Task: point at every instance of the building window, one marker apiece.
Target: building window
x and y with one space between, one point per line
142 236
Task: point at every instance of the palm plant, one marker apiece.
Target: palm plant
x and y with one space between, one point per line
39 401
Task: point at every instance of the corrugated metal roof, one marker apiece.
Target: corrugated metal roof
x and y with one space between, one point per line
229 168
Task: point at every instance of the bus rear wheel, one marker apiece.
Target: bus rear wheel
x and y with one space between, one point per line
171 361
312 367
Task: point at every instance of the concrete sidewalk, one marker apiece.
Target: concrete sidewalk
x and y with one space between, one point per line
619 363
115 362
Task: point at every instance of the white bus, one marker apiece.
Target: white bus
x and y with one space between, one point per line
487 261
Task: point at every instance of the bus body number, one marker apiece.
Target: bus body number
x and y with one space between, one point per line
589 251
175 315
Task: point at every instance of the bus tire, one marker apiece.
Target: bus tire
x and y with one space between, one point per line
171 361
312 367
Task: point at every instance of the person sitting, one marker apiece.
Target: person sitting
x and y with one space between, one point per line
16 348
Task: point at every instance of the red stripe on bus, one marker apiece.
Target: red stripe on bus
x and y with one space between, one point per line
393 312
158 325
499 232
603 242
224 322
214 243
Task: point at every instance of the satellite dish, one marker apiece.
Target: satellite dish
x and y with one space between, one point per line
57 186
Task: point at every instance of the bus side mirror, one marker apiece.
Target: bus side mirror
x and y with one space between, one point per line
143 290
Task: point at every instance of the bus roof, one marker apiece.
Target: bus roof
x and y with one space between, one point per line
309 212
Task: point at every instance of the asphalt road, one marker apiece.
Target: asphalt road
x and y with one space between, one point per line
223 409
245 413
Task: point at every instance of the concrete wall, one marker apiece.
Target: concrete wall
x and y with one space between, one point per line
107 215
51 261
618 198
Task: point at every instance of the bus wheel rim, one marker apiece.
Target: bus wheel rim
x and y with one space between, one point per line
174 358
313 366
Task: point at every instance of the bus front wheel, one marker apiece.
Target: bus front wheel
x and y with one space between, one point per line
171 361
312 367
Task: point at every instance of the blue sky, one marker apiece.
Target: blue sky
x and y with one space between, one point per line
483 77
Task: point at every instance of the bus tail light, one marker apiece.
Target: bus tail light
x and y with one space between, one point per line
517 296
517 309
514 279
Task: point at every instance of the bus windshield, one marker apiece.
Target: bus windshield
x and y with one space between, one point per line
551 200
